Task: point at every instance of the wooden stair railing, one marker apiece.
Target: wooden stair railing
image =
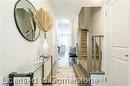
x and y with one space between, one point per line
97 53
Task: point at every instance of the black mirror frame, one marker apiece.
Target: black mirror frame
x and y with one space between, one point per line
17 23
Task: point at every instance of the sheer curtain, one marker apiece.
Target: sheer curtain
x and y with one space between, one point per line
64 34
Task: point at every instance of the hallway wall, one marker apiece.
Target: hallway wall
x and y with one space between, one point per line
112 22
74 32
15 51
96 21
0 51
129 49
116 42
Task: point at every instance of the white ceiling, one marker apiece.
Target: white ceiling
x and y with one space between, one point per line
68 9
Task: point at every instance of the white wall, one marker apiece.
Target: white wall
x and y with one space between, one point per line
112 22
74 32
85 23
0 50
129 50
115 32
16 51
96 20
88 18
116 42
106 42
84 18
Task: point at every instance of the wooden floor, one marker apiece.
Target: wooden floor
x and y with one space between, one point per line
64 75
66 71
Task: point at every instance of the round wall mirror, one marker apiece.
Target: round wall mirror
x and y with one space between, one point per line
24 13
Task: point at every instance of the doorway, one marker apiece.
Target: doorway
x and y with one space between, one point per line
63 41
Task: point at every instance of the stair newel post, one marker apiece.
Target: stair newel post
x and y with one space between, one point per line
100 56
100 52
89 51
94 51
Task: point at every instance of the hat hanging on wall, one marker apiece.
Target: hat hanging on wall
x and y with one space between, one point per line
45 23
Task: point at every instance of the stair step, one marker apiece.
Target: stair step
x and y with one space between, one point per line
78 71
83 32
84 42
96 51
80 74
83 65
83 47
97 56
84 51
84 57
84 39
83 35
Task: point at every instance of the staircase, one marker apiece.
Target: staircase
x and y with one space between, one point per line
83 44
81 69
81 73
